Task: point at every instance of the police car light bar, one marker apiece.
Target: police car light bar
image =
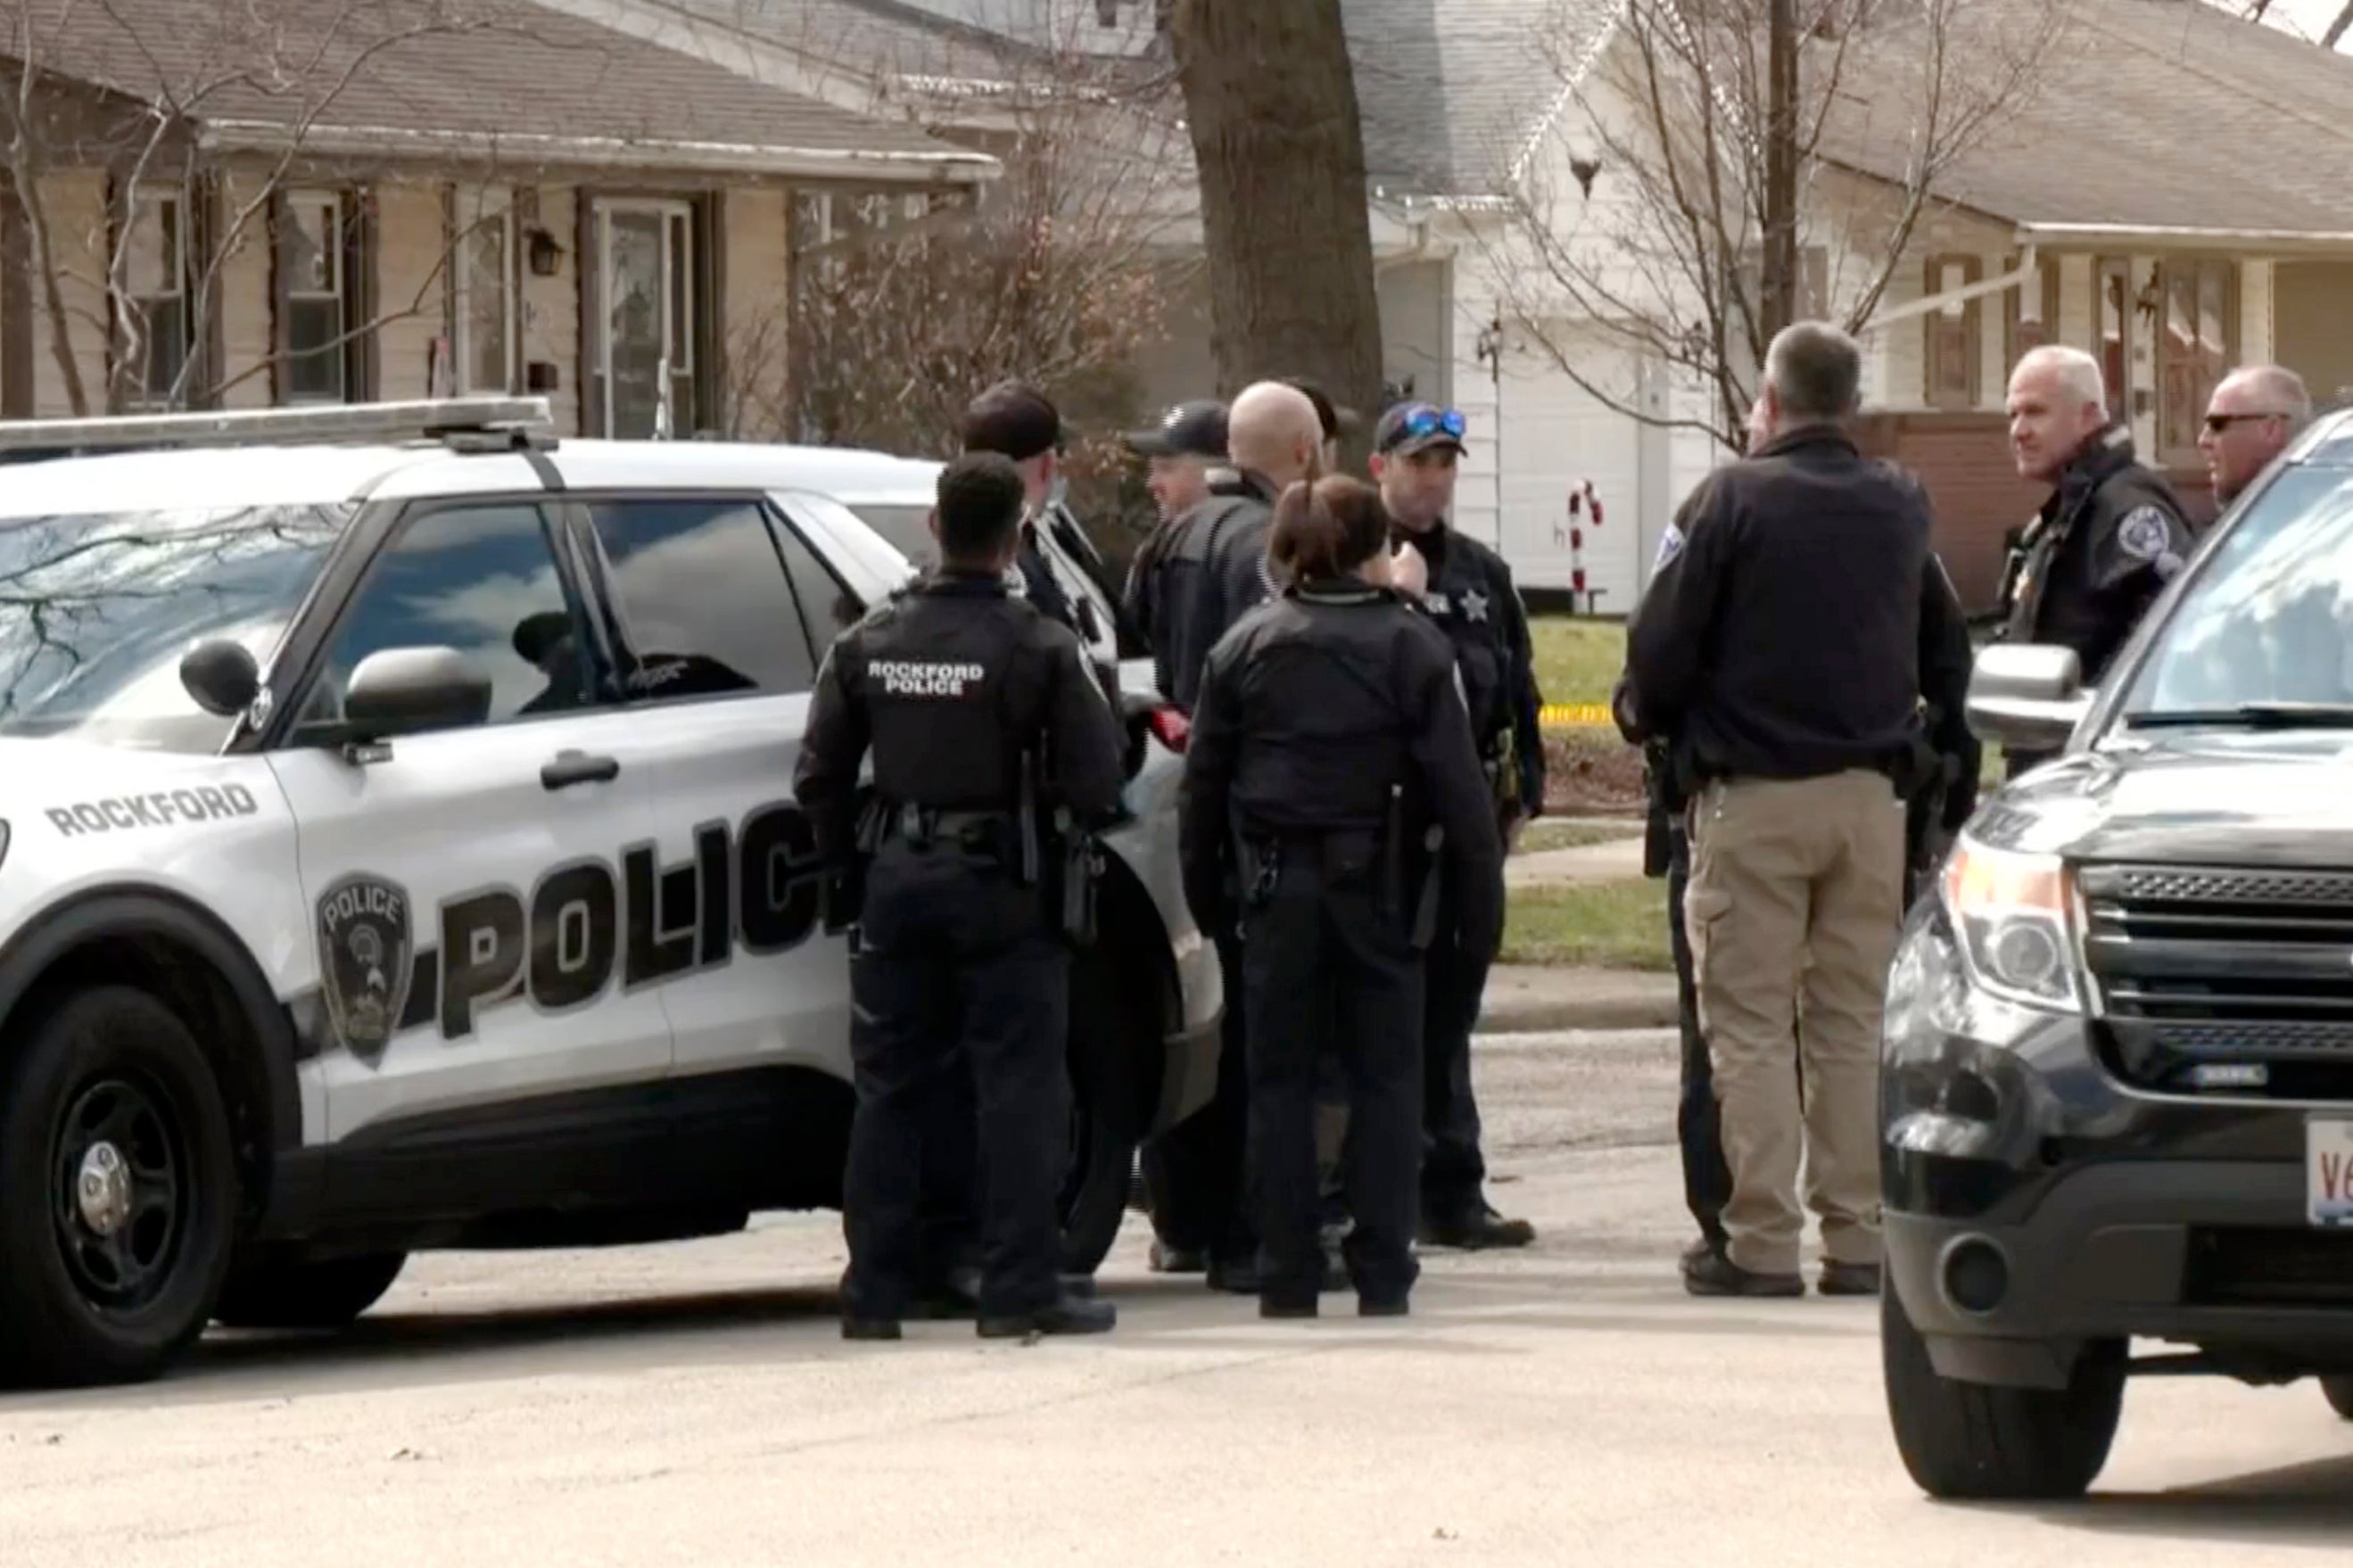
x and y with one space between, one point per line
421 419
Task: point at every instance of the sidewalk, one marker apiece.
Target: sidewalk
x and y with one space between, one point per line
1532 998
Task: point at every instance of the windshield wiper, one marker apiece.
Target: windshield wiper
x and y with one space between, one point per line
2251 716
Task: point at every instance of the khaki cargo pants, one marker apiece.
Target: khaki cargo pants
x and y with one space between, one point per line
1793 910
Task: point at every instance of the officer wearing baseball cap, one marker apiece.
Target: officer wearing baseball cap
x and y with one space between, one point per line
1188 443
1416 453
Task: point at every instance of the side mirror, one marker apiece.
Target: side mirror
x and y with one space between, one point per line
406 690
2027 696
222 674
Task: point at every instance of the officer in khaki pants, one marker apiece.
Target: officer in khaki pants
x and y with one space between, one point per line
1777 652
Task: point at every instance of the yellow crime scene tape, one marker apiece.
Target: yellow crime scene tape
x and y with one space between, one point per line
1572 715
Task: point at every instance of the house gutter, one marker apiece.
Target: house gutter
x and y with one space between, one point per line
946 167
2146 239
1928 304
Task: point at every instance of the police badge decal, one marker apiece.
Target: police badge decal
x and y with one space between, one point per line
364 954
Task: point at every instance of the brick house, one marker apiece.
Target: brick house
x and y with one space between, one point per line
2178 184
269 202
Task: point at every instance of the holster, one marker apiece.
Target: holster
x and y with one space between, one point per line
1258 865
1082 869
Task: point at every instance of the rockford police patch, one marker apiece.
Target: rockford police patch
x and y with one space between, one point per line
364 948
2143 533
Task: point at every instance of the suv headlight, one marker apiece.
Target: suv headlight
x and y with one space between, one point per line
2011 913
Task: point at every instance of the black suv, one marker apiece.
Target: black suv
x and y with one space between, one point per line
2117 1090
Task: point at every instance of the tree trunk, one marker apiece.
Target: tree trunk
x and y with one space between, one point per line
1780 271
2337 28
1271 102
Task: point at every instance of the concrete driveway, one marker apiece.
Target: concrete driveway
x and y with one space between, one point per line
694 1404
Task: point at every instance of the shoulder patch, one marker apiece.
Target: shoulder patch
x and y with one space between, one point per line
2145 533
1671 544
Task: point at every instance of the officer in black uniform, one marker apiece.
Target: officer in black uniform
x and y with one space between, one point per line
1204 573
1330 737
1936 811
2112 534
981 714
1416 449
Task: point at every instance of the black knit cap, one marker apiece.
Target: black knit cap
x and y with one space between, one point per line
1014 419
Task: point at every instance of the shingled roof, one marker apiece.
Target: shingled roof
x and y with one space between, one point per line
1451 92
2153 116
445 73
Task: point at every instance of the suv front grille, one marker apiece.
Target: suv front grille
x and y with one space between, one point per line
2224 977
2230 1267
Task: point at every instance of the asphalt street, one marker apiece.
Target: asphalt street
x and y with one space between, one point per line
694 1405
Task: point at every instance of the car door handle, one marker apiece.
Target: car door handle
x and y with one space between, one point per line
571 768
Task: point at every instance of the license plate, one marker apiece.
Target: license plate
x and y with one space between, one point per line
2329 1171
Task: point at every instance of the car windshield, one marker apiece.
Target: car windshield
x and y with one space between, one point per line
97 609
2267 630
908 528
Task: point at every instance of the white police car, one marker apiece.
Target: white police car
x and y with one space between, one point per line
400 852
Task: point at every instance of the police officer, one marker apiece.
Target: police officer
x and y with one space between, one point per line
1416 455
1210 571
1179 452
1330 734
2112 534
1777 647
1946 795
967 697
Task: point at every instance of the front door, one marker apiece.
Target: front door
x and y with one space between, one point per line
479 918
645 260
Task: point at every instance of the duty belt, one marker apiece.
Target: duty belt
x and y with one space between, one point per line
981 832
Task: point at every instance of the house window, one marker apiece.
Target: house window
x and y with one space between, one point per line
315 293
2033 310
2195 346
158 294
2114 350
482 305
1952 373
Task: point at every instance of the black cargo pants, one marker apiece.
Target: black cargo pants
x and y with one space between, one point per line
1453 1171
1327 969
1193 1173
1699 1127
956 967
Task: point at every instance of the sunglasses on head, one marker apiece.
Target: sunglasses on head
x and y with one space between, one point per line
1422 421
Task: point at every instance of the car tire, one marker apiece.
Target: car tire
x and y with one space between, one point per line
1976 1441
1100 1176
120 1192
276 1290
2339 1392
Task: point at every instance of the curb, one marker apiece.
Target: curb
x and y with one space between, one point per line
1645 1010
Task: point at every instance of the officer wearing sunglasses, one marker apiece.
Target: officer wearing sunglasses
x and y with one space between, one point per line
1416 453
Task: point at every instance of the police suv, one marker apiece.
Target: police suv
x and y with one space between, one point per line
2117 1065
399 853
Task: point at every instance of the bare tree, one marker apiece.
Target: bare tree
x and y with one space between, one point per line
901 307
125 91
1731 202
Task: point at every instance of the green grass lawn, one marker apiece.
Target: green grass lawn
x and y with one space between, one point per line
1597 925
1578 661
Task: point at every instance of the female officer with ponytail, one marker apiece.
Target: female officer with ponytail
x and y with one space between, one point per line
1329 739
